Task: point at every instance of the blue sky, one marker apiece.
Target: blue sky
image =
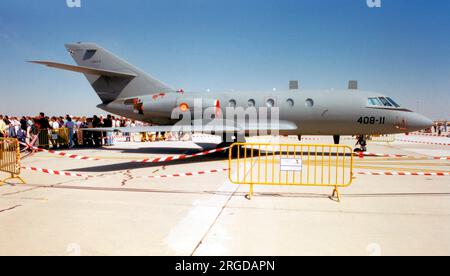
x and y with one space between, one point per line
401 49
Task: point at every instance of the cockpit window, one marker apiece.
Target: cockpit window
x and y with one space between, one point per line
385 102
393 102
375 102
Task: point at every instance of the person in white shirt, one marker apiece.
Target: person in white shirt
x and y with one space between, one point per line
54 123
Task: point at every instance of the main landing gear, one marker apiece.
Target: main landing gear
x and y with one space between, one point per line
230 138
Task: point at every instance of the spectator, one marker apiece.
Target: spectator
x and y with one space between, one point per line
13 127
71 126
3 127
24 124
96 122
108 122
43 122
54 123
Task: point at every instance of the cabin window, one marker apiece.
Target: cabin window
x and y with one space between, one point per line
309 103
290 102
270 103
251 103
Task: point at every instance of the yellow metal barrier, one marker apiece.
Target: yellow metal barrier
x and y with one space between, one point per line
291 165
60 137
44 140
382 138
10 159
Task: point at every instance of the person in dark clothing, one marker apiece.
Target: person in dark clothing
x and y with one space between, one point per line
7 121
43 122
108 122
24 124
96 122
96 135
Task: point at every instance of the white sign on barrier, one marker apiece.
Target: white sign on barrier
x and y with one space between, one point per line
291 165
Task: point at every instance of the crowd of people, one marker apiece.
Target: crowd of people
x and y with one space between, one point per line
440 128
25 129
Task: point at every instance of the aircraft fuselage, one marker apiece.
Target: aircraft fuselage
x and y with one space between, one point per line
315 112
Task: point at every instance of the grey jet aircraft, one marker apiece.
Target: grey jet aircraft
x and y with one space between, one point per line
129 92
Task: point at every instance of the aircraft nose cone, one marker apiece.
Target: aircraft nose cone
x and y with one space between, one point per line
420 122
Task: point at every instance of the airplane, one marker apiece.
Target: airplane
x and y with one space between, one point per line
129 92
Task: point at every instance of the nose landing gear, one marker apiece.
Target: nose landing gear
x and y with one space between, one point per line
337 139
362 142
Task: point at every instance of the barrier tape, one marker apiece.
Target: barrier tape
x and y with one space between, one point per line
59 173
423 142
71 174
428 134
154 160
405 173
403 156
63 154
179 157
184 174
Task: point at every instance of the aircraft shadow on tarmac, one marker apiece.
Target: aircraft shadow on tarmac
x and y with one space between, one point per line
219 156
139 165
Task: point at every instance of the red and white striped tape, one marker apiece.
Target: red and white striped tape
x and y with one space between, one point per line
63 154
383 155
427 134
403 156
72 174
423 142
179 157
184 174
53 172
405 173
154 160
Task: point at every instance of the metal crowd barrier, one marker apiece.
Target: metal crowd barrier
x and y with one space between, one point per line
44 140
291 165
58 137
10 159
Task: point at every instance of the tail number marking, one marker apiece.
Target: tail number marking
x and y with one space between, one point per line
372 120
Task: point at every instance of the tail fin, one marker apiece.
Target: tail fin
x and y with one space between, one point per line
134 81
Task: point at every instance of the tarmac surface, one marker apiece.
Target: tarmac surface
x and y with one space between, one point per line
120 211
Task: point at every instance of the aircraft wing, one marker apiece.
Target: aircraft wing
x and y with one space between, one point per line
212 126
85 70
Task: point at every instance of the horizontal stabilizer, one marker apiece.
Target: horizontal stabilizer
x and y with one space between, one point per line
85 70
